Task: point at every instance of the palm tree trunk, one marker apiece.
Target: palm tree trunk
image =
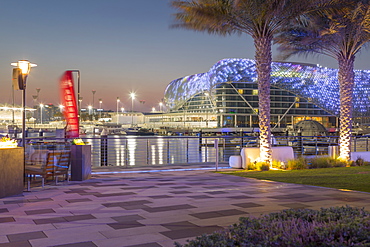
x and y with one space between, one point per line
263 69
346 84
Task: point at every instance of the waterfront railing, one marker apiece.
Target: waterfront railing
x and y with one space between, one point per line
136 151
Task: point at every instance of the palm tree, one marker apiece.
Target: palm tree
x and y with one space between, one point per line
340 33
258 18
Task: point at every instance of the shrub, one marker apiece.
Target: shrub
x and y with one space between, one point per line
259 166
297 164
337 226
359 162
322 162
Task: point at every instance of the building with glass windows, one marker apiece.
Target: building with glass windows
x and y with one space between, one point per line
227 95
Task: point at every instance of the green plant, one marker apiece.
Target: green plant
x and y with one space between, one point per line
297 164
322 162
359 161
336 226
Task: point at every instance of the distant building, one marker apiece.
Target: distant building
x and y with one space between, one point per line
228 95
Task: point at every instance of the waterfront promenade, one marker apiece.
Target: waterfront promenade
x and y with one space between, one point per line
150 207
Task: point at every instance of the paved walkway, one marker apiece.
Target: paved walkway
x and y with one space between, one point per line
150 208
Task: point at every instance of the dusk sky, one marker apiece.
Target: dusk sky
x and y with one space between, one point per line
120 46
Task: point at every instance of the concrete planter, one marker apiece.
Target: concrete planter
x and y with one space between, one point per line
80 162
11 171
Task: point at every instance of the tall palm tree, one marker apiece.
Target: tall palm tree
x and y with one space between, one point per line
258 18
340 33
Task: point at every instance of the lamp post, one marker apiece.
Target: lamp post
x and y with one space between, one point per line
20 74
132 95
61 107
90 109
93 101
117 108
161 110
100 109
41 106
207 95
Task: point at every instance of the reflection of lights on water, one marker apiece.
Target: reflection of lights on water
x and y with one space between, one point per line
164 170
120 161
161 153
131 146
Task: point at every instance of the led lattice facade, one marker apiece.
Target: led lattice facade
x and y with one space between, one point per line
298 91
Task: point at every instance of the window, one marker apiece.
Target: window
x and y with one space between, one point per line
255 92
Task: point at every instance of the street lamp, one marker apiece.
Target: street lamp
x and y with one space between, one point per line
61 107
20 74
93 93
41 106
207 95
117 108
100 109
122 109
132 95
90 108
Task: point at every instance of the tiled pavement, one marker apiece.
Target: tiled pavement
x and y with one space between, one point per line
150 209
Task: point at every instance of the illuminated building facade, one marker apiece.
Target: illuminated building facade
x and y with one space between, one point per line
228 94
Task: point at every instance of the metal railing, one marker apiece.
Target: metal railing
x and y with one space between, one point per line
129 151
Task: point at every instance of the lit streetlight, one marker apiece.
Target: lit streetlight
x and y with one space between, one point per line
20 74
93 101
132 95
41 106
117 108
207 95
61 108
90 109
100 109
122 109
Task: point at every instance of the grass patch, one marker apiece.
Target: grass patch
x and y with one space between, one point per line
350 178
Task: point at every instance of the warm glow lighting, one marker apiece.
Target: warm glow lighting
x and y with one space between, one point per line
132 95
24 65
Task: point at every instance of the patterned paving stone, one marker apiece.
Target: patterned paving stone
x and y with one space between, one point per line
6 219
40 211
168 208
190 232
146 245
200 197
295 205
124 204
3 210
248 205
16 244
240 197
114 194
220 213
180 192
79 200
125 218
161 197
63 219
26 236
83 244
291 196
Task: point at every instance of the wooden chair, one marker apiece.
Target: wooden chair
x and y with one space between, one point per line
46 170
62 168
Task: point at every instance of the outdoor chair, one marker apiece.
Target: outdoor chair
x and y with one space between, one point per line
62 167
46 170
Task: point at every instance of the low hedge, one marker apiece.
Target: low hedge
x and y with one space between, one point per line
336 226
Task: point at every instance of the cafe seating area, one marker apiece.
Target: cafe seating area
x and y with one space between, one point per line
49 165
